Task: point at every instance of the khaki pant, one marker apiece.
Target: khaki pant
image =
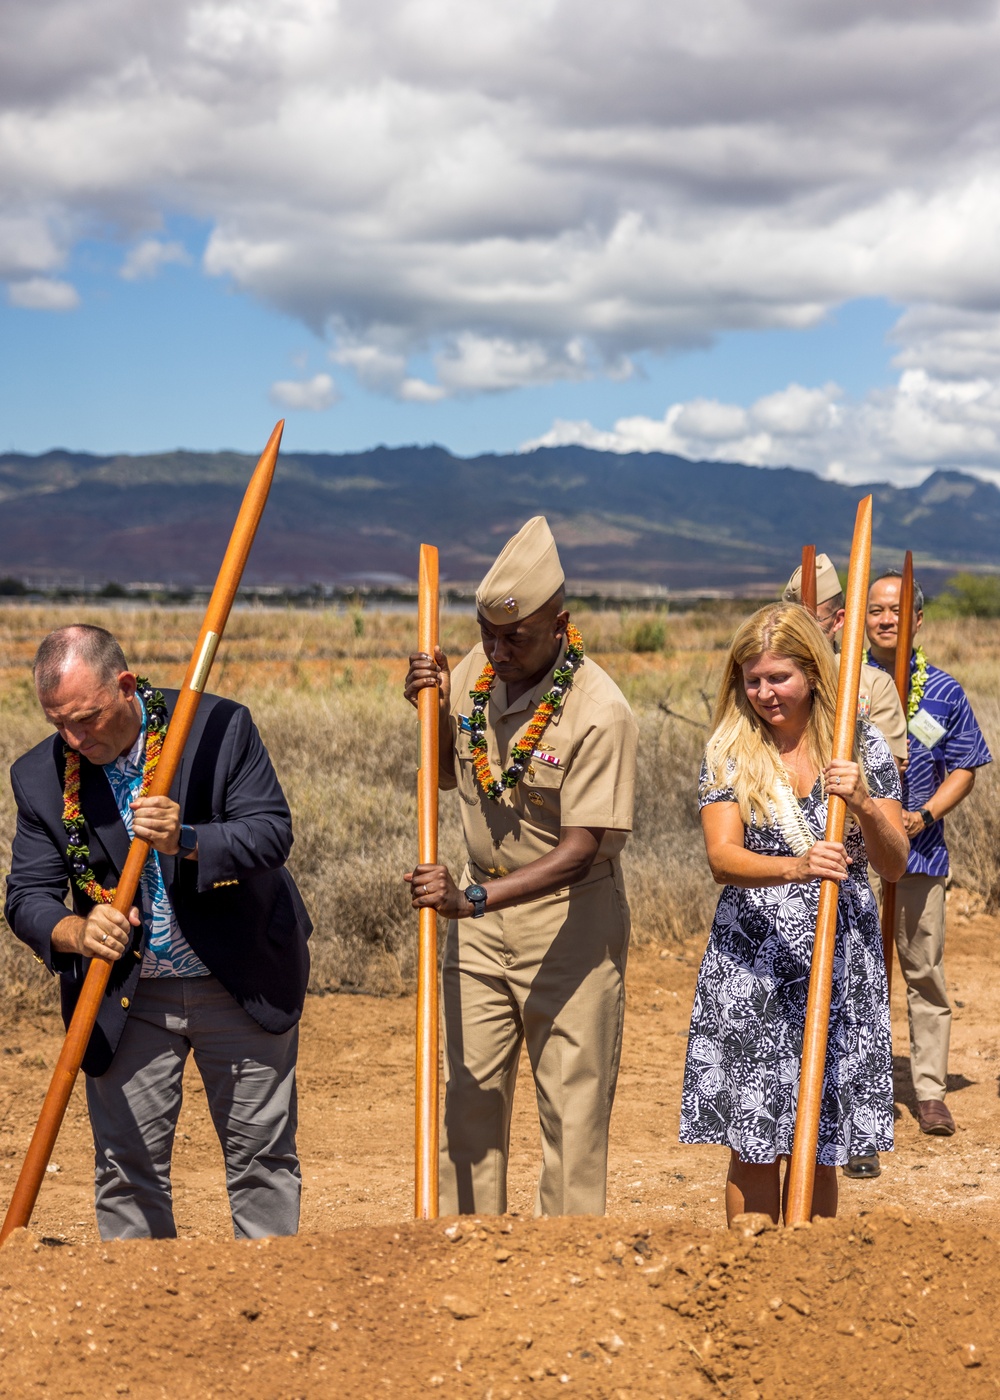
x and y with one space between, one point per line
920 921
550 973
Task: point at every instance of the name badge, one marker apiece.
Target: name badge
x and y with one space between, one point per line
925 727
465 724
545 757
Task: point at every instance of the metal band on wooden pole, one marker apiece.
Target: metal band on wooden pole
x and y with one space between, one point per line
802 1171
426 1194
87 1007
807 579
901 675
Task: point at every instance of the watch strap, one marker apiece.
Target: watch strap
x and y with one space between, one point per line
476 896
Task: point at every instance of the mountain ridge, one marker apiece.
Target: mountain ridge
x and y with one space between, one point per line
645 518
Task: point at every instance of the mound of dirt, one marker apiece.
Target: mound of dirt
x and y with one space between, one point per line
497 1308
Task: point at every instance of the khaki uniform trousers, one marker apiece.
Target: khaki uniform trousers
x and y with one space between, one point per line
920 924
550 972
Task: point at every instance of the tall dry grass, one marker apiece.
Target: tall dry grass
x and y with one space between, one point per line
325 690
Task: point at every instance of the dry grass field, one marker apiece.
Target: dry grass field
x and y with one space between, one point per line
325 688
654 1300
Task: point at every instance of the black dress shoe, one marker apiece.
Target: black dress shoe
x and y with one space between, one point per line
863 1168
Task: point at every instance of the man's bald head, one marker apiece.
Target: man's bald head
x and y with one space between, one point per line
87 692
78 644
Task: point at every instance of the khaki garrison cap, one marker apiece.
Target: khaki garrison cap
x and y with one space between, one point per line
526 574
828 585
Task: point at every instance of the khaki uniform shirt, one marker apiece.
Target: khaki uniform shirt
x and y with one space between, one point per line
582 774
878 702
886 711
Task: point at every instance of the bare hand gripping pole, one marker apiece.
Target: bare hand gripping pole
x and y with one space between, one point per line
904 645
426 1195
74 1046
802 1171
807 579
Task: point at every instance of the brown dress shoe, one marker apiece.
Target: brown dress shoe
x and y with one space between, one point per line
935 1118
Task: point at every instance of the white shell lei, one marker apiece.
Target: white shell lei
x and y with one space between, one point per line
788 818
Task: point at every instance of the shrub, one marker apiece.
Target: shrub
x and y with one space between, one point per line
644 634
968 595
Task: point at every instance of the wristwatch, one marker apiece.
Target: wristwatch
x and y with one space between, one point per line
926 817
476 896
188 840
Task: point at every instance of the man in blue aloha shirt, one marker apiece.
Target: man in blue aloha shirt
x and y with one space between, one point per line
946 746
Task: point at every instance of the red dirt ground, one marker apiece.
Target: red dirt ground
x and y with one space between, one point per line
656 1300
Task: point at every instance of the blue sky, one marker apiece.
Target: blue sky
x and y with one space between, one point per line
187 360
765 233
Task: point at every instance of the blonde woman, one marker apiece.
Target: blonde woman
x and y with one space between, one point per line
763 795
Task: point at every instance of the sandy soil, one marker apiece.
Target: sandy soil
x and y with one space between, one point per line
658 1299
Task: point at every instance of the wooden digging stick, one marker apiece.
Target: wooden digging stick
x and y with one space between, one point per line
904 645
50 1119
802 1171
807 579
427 836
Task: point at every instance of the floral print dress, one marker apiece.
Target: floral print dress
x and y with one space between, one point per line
741 1076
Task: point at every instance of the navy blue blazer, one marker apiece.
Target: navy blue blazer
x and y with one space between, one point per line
236 904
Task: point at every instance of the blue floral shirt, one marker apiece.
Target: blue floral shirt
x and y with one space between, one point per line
960 745
167 952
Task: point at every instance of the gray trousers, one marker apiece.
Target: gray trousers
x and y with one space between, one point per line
920 921
249 1078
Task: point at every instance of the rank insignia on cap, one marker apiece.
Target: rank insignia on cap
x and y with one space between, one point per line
525 574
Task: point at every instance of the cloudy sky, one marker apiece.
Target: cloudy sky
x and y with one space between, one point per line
762 231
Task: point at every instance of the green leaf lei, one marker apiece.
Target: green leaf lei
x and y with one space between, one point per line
918 681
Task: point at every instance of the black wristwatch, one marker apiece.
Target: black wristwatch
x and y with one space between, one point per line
476 896
926 817
188 841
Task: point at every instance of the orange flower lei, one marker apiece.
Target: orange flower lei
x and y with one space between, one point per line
562 679
77 850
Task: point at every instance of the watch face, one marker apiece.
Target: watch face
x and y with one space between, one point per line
475 892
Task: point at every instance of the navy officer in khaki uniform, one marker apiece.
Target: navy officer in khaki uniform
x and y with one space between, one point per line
878 699
540 744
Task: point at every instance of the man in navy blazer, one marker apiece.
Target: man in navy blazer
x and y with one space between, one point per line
213 959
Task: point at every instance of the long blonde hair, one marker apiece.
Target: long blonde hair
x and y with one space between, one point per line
741 752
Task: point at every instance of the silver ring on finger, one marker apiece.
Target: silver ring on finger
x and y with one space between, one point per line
104 938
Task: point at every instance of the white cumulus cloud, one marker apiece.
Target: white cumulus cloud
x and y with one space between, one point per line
43 294
315 394
524 192
147 258
920 425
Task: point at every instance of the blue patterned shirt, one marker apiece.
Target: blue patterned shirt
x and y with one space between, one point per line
167 952
961 746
